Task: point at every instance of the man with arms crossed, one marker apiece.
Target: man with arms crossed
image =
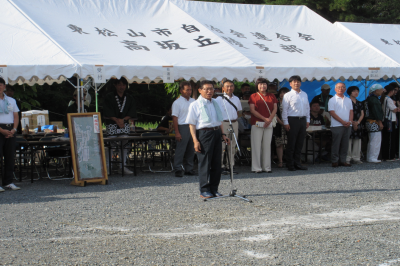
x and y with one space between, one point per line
184 142
8 127
204 120
296 119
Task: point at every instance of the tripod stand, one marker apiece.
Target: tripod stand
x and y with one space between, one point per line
232 193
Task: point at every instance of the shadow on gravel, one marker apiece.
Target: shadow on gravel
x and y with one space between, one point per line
45 190
323 192
316 169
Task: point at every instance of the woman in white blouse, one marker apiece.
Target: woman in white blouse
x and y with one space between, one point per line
389 108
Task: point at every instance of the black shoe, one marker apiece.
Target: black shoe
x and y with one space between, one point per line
192 172
217 194
179 173
291 168
300 167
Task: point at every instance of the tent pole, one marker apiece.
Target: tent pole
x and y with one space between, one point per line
95 91
78 100
82 97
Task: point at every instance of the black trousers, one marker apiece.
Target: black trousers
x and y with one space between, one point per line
7 150
295 140
209 159
389 144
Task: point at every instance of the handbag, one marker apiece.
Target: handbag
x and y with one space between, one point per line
274 121
387 123
371 125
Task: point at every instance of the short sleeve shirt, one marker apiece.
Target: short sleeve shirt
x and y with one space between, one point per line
180 109
260 106
12 108
194 117
229 108
342 108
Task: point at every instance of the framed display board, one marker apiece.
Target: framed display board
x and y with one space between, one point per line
87 148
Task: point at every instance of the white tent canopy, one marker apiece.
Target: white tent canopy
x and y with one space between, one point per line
136 39
27 52
384 38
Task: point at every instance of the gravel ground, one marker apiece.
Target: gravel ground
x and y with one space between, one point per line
323 216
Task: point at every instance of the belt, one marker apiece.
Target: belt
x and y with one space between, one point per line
209 128
233 121
7 125
297 117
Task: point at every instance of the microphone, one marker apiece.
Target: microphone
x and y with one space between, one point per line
219 93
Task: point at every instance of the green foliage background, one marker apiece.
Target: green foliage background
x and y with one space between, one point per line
363 11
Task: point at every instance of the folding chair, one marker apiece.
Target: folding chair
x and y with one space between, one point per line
23 155
56 156
152 149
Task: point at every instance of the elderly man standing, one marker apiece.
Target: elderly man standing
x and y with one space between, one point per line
232 110
204 119
8 127
341 111
296 119
184 153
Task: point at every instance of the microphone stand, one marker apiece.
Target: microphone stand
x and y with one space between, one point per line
232 193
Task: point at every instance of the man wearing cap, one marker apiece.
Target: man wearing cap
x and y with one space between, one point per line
184 152
8 126
204 119
341 110
323 98
374 116
232 110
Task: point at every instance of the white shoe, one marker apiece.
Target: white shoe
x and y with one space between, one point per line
2 189
12 187
126 171
374 161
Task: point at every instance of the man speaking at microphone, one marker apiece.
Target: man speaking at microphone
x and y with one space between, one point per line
231 108
204 119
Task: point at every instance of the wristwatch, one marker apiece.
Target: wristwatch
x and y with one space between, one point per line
14 129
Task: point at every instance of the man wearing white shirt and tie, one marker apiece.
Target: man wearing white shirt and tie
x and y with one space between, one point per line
296 119
204 119
228 109
184 143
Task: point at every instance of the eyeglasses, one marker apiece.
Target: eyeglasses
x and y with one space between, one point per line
209 89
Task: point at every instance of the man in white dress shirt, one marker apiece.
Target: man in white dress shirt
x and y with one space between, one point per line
204 119
233 111
341 110
184 152
8 127
296 119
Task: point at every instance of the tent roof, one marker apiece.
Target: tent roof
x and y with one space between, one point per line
28 53
136 39
384 38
